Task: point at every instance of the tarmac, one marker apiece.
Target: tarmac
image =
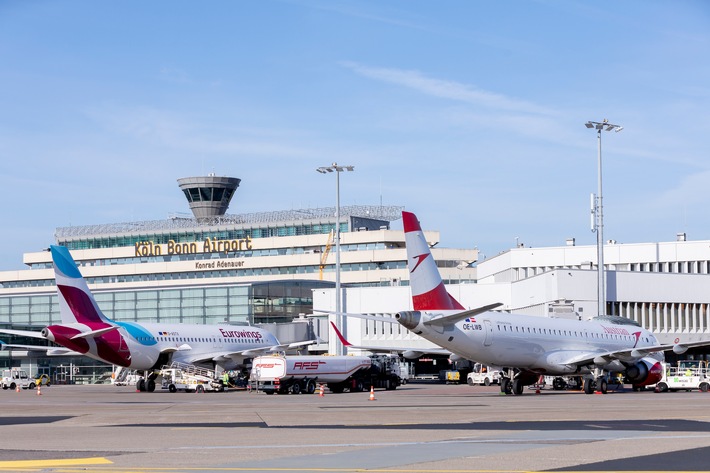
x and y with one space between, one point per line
415 428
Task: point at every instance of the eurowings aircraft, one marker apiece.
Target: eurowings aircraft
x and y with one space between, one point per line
85 330
527 346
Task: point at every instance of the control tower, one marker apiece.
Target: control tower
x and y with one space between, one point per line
209 195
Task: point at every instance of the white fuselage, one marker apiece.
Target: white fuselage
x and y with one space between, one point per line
140 346
532 343
190 343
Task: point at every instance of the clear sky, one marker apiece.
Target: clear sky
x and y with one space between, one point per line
469 113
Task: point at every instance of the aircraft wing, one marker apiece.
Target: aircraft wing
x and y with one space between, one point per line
275 349
632 354
410 353
237 355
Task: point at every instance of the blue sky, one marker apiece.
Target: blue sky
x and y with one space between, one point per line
469 113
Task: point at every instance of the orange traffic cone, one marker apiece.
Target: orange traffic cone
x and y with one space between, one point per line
39 389
322 391
372 393
17 388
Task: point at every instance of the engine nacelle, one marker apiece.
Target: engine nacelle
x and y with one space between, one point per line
645 372
409 318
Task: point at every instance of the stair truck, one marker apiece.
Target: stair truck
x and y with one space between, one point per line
189 378
302 374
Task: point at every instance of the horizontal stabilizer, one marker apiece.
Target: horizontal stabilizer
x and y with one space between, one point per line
385 318
407 352
95 333
23 333
459 316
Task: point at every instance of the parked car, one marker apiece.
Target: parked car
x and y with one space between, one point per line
43 380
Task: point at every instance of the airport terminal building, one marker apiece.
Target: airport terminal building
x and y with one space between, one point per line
212 267
273 268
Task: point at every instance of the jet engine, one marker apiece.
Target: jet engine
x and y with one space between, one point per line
645 372
409 319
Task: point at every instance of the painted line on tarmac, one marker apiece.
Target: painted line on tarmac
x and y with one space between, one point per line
13 465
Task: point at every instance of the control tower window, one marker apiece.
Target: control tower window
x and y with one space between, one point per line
206 194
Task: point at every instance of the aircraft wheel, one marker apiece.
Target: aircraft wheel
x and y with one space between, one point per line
172 388
505 386
517 387
588 386
601 383
150 386
140 385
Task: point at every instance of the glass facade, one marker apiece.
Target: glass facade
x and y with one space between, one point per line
163 237
277 301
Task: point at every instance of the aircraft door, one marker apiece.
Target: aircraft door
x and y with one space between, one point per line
489 332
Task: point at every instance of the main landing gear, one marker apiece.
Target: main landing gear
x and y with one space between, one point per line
513 381
596 383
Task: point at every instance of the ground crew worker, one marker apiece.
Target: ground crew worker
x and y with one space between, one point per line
225 378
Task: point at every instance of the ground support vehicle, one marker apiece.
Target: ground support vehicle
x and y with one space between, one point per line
189 378
483 375
43 380
302 374
685 375
124 377
14 378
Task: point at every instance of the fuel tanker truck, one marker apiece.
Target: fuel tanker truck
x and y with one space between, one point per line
302 374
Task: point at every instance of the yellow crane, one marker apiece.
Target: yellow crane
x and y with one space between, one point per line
324 255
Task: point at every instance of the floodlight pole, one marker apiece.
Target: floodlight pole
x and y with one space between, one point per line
339 349
597 210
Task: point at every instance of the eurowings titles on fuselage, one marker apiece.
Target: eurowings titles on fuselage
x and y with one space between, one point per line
85 330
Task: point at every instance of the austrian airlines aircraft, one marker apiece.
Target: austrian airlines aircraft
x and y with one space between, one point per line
85 330
527 346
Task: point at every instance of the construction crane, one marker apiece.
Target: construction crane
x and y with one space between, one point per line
324 255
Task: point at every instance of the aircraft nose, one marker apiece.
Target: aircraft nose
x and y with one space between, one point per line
409 318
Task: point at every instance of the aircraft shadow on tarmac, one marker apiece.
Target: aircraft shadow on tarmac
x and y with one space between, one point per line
31 420
694 459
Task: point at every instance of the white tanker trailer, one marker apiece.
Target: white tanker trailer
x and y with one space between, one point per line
303 374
